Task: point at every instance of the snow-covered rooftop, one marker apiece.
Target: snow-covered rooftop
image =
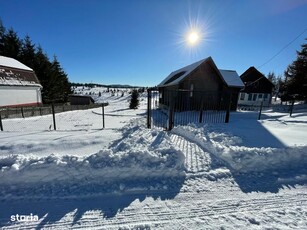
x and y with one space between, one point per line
13 63
185 71
232 78
13 72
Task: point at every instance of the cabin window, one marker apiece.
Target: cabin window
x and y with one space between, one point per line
265 97
250 96
242 96
259 96
254 96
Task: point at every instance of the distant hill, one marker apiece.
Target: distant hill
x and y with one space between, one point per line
107 86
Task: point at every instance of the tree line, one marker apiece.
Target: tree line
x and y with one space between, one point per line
56 86
293 86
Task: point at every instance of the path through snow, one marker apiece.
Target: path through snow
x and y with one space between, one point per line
208 198
194 177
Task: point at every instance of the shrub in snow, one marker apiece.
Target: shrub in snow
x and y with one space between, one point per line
134 101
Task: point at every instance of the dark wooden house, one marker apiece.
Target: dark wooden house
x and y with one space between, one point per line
257 88
80 99
200 85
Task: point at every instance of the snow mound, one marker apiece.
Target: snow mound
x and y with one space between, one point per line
142 158
242 158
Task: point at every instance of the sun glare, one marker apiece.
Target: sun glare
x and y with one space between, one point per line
195 31
193 38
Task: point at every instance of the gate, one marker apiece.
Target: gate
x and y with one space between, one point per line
169 108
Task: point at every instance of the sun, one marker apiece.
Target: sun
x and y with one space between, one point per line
193 38
195 31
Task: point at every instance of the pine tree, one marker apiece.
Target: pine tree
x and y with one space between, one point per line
272 78
12 44
2 33
60 86
134 101
51 75
42 68
27 55
296 77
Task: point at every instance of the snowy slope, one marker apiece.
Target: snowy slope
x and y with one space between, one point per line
247 174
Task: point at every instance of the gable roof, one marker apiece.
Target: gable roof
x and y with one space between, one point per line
229 77
172 80
255 82
14 73
252 75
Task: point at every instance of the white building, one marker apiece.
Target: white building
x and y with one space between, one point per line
19 85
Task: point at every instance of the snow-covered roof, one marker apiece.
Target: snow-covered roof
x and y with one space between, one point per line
14 73
13 63
232 78
181 73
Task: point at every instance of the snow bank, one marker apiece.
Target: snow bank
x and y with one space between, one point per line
242 158
141 158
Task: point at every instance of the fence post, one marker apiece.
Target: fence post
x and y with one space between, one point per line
23 116
228 110
291 108
171 113
201 116
261 105
103 122
53 116
170 118
148 108
1 126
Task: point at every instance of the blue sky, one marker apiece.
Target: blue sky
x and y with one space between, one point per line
140 42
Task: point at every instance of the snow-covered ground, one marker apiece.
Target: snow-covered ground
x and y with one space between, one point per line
247 174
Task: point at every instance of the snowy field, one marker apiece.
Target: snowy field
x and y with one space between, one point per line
247 174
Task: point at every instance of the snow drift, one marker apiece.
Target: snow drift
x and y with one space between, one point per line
141 158
242 158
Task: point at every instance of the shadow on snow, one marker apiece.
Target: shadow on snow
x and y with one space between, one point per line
53 210
254 135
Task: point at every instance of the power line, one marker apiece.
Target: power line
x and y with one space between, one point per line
282 49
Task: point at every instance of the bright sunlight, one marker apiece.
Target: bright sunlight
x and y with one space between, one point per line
193 38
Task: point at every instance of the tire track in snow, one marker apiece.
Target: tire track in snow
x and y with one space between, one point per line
188 206
196 206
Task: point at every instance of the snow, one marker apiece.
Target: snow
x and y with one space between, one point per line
13 81
13 63
248 148
232 78
247 174
127 160
187 70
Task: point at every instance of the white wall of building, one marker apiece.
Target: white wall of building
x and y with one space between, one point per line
20 95
254 99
